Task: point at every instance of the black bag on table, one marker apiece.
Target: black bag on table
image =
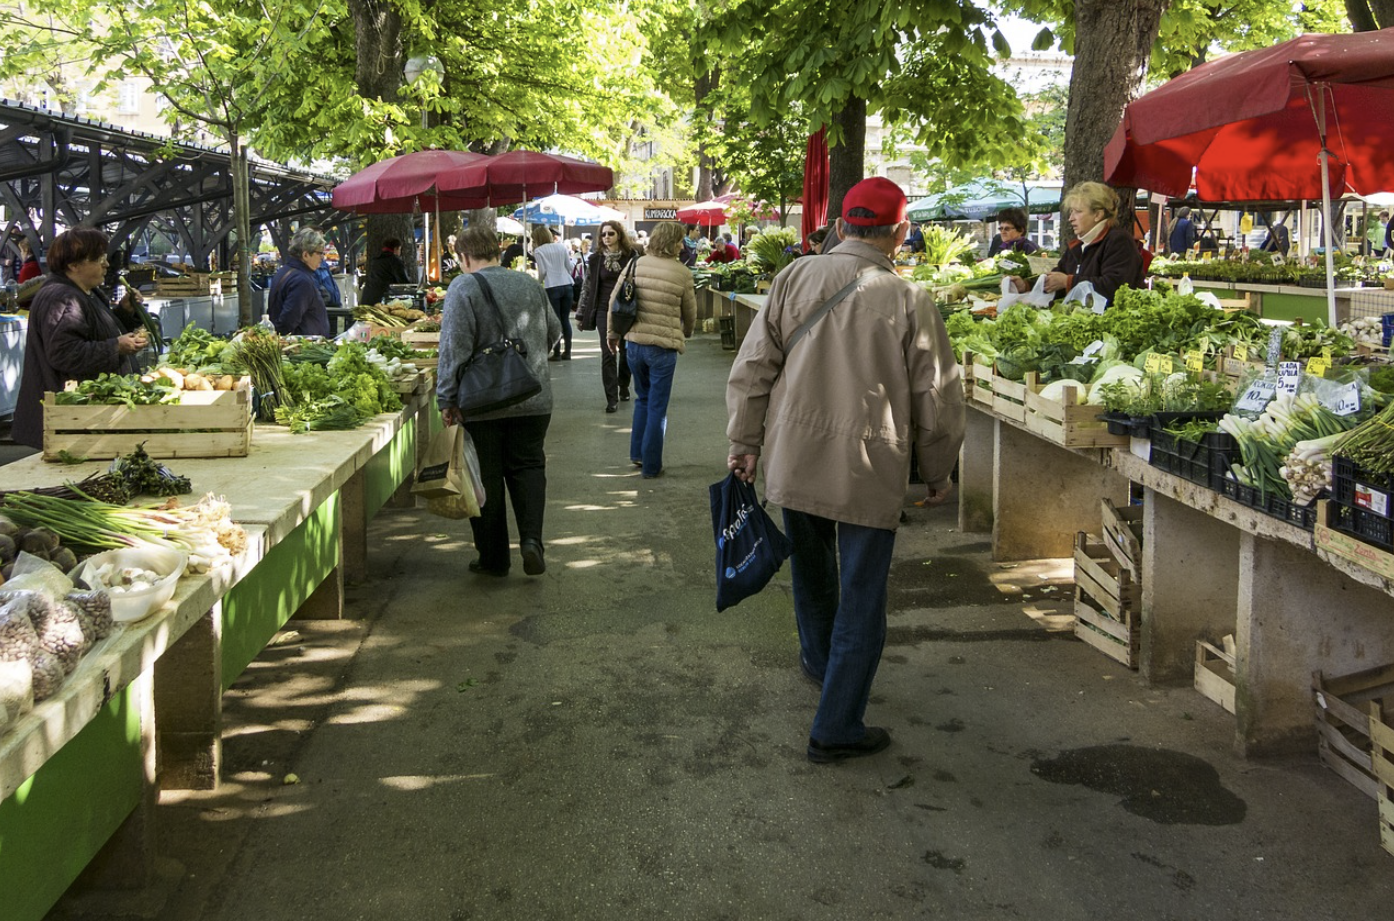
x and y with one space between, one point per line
497 375
750 548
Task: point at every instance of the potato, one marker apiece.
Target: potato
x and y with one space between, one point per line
226 382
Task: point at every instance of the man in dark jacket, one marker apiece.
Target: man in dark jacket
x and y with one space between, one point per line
1183 233
294 302
385 270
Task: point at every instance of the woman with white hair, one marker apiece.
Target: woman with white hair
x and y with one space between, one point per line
293 301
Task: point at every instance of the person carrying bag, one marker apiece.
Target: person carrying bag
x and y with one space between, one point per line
497 374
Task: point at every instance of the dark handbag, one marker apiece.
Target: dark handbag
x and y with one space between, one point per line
497 375
624 309
750 548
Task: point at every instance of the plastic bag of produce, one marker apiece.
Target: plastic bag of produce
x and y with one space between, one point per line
20 643
16 691
1036 297
1085 295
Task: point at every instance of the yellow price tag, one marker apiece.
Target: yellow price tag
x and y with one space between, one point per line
1326 354
1317 366
1158 364
1195 361
1241 353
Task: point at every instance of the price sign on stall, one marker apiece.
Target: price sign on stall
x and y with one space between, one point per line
1257 396
1317 366
1289 374
1157 364
1346 401
1195 361
1241 352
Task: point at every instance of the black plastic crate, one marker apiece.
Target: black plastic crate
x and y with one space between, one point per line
1366 525
1203 462
1244 495
1124 424
1304 517
727 325
1357 487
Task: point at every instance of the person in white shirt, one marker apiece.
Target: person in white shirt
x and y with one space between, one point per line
554 262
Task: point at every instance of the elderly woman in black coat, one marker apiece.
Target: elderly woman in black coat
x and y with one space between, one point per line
73 334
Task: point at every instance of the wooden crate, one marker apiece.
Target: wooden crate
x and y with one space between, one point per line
1382 760
1107 602
420 340
1230 366
1123 536
1004 397
1343 722
196 284
1214 676
204 423
1068 422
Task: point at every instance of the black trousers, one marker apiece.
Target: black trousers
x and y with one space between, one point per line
512 455
614 365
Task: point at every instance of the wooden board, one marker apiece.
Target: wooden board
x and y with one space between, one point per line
1117 640
1344 727
1067 422
1382 760
420 340
1349 547
1214 677
1123 535
1100 576
204 423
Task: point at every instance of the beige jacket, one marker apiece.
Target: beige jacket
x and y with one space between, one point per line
834 419
667 303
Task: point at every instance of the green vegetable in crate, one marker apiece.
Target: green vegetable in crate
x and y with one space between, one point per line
117 390
1371 444
1265 442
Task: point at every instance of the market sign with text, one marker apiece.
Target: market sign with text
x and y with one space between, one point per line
660 214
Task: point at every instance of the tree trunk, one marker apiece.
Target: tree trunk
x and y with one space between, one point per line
241 219
1370 15
1113 43
705 84
847 160
378 72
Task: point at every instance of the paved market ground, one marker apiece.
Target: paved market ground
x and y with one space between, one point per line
599 743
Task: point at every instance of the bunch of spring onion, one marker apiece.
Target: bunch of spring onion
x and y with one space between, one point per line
1265 442
1371 444
260 350
204 531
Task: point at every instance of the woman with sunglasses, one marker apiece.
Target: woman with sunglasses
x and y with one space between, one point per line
603 270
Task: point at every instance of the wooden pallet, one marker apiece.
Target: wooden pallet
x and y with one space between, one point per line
420 340
1382 761
1214 677
204 423
197 284
1344 741
1107 602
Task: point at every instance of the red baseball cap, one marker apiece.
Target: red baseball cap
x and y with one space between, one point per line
878 195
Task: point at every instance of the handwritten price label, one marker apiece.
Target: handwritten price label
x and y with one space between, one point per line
1241 353
1158 364
1347 400
1289 374
1317 366
1195 361
1259 394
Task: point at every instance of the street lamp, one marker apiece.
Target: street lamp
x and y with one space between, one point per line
416 68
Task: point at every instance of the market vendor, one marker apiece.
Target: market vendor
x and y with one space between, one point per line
293 302
1103 252
72 333
386 269
1011 234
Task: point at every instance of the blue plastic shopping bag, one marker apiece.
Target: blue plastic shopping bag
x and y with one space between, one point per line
749 547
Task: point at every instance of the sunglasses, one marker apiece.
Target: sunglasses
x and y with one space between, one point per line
609 233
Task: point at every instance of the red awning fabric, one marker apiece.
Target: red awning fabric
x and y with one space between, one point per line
520 175
706 214
815 184
1249 127
401 185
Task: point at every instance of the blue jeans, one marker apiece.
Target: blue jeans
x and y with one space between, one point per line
841 617
652 367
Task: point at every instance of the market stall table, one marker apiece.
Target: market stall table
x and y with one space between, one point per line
80 770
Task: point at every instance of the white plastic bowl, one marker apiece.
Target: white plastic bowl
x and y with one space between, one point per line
140 603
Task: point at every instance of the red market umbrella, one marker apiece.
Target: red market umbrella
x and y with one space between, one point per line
401 185
815 184
1305 119
519 175
706 214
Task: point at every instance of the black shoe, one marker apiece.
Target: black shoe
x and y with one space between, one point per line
480 570
554 357
533 562
636 462
624 396
808 671
566 356
875 740
654 476
612 407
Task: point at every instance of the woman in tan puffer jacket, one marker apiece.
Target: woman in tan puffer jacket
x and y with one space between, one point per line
666 317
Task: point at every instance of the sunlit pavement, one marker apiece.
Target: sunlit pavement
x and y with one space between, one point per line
599 743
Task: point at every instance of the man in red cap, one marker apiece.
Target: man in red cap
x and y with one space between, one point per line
846 368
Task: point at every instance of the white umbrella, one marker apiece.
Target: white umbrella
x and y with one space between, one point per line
568 210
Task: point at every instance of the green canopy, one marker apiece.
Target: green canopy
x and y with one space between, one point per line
983 199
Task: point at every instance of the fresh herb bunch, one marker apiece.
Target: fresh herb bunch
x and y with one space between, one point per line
942 246
326 414
199 349
360 382
143 474
118 390
390 347
260 351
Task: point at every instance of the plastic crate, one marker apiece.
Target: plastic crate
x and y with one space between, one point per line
1355 486
1203 462
1362 523
727 325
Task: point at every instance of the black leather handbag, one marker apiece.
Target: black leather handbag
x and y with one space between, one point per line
624 310
497 375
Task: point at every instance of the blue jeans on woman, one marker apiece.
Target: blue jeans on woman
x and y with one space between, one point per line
841 615
652 367
562 302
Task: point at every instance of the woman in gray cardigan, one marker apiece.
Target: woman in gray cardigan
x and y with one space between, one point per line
509 441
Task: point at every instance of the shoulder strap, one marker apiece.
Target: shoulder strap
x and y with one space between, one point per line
483 283
861 279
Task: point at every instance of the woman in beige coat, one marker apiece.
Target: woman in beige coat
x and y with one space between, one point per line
667 314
